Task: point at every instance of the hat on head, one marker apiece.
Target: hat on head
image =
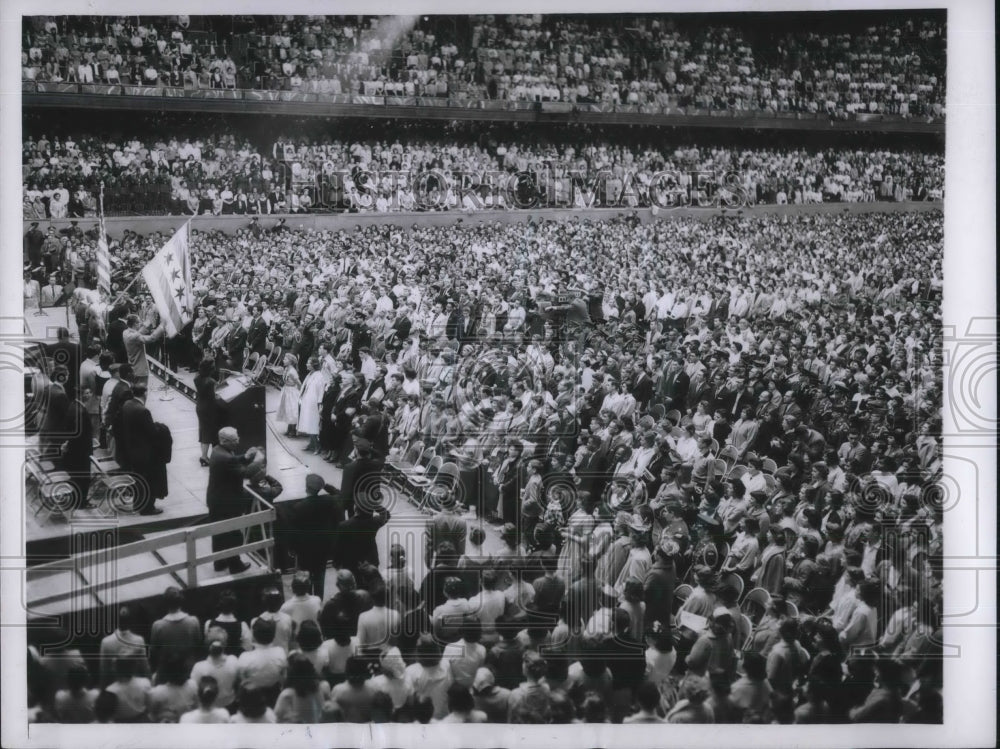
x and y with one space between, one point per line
484 680
314 483
668 546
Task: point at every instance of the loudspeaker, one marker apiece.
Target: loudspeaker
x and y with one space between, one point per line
243 408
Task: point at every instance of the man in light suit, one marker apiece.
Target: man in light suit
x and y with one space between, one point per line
135 342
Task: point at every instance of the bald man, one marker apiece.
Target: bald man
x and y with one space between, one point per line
225 496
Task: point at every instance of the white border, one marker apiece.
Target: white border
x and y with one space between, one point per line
970 265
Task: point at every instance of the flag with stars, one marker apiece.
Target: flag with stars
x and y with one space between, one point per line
168 276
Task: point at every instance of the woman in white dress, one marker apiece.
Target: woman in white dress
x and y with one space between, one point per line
288 406
576 539
310 401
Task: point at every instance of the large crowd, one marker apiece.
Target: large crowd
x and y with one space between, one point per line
228 174
709 448
867 65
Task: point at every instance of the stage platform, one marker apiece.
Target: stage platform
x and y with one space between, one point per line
50 538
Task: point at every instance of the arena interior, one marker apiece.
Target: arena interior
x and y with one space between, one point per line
484 369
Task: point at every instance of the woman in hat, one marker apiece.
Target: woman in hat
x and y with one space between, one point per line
288 405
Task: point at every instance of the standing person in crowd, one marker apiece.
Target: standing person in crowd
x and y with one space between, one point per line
288 405
310 402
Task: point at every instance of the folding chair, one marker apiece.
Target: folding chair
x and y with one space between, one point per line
444 484
755 604
720 468
715 448
730 455
768 466
771 483
749 624
409 459
658 412
674 417
274 368
681 594
419 476
792 609
737 472
735 581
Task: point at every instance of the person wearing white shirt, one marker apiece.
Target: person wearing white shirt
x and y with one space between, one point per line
379 626
221 668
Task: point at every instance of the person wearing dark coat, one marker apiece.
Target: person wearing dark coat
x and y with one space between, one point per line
54 407
67 353
207 407
226 497
79 446
236 346
116 332
327 427
354 543
257 333
112 416
673 388
343 419
658 587
139 442
307 529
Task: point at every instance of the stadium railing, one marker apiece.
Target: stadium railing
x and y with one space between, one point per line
497 107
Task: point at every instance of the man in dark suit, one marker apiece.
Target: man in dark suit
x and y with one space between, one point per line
592 468
225 496
79 446
674 385
116 333
306 529
138 441
236 344
257 332
67 353
33 242
121 392
355 539
54 407
360 484
658 587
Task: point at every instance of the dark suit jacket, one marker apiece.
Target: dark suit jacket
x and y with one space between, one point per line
55 406
310 526
80 439
137 435
257 336
674 389
359 480
658 592
355 540
225 495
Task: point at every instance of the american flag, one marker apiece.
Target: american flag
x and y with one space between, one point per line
103 256
168 276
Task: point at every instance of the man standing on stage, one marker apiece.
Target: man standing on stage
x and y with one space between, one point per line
79 445
226 497
139 443
135 342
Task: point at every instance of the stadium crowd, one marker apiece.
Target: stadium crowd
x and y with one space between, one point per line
874 66
709 448
227 174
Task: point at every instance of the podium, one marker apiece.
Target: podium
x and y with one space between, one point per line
243 409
